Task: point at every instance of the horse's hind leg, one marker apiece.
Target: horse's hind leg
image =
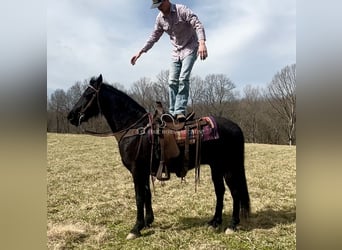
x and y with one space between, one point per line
236 203
217 178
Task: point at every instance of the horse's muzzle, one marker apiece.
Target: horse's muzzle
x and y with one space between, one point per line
73 119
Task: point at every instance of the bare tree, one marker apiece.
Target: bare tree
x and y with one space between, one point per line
251 110
58 106
118 86
282 97
197 90
74 93
142 92
161 88
265 118
218 94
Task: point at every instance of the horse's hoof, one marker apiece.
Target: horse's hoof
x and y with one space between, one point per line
215 229
131 236
229 231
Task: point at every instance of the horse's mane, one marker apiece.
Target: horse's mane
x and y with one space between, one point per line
119 94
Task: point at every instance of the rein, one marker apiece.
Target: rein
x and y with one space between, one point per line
95 95
118 135
126 132
130 131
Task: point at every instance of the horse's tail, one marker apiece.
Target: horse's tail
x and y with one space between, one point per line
243 188
244 197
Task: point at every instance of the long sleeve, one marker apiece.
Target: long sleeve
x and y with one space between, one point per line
154 37
192 18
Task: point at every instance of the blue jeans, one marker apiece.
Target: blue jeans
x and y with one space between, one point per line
179 83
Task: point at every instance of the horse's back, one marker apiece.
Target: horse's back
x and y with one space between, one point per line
229 132
229 145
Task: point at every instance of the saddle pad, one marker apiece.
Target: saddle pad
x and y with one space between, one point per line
208 132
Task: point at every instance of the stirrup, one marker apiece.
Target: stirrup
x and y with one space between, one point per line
161 174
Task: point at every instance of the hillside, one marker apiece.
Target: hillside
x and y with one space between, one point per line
91 203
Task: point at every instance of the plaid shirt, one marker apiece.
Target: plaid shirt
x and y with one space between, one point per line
184 29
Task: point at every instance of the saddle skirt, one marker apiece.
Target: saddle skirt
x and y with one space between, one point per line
207 132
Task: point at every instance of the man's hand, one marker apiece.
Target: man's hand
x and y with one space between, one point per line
135 57
202 50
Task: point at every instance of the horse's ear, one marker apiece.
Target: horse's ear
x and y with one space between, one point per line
159 108
159 104
99 79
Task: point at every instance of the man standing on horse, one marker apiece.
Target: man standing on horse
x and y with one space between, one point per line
188 38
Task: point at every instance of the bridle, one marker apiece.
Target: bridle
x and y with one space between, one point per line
126 132
95 95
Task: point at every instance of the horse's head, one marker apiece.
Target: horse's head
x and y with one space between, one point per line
88 104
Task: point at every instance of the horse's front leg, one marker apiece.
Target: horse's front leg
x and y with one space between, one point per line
140 202
149 218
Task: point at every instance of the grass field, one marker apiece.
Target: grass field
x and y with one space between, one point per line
91 204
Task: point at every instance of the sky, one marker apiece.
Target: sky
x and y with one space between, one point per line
249 41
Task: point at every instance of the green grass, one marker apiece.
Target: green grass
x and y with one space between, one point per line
91 202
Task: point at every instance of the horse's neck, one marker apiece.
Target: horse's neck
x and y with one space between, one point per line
120 119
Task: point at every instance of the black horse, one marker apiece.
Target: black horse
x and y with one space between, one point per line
225 155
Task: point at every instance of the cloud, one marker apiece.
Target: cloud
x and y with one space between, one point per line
247 40
251 39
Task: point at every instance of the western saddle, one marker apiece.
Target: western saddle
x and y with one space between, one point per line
172 134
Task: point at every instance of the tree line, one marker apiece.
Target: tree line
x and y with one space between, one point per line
265 114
